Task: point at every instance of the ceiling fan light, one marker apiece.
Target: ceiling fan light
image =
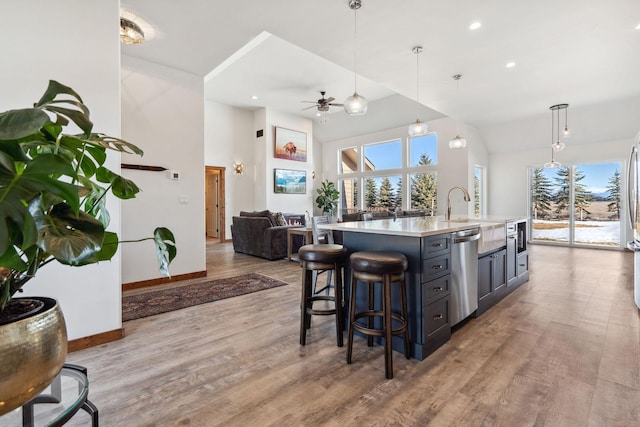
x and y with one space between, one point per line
457 143
356 105
418 128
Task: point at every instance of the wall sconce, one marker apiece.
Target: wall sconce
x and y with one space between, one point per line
313 174
238 168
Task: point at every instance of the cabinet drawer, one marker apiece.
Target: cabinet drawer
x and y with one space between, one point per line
523 262
435 267
435 245
436 315
434 289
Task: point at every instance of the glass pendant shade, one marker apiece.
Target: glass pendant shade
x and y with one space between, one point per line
557 146
457 143
552 164
418 128
356 105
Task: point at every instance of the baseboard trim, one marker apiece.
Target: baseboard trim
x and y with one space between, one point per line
163 280
94 340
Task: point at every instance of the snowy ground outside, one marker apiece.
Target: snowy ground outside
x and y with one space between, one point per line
586 231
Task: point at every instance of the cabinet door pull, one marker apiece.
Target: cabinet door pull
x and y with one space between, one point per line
438 289
436 245
437 317
437 267
521 265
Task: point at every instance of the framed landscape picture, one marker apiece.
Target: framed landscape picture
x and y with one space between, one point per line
290 144
287 181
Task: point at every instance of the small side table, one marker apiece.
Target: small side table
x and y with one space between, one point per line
307 234
69 392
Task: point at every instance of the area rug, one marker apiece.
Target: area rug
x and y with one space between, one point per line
161 301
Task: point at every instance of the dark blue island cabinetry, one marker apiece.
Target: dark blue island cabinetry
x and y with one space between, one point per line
428 279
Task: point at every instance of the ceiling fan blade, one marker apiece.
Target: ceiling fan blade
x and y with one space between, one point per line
310 102
328 100
311 106
333 104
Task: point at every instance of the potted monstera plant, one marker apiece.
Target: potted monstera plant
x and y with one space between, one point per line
53 188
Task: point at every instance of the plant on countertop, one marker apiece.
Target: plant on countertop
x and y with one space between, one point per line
53 189
328 196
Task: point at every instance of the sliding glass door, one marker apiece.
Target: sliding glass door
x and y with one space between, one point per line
576 205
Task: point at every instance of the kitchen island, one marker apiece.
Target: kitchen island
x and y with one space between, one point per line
427 243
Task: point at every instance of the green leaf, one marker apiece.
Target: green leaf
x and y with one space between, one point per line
71 239
165 248
18 124
121 187
78 117
113 143
11 259
54 89
108 250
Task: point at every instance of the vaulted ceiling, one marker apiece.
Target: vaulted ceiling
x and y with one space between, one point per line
582 52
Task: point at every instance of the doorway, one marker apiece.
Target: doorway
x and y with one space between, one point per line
215 202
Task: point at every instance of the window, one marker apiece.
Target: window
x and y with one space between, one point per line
478 191
576 204
422 148
349 195
348 160
385 155
383 193
424 191
392 175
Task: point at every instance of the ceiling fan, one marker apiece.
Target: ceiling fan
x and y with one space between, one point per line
323 103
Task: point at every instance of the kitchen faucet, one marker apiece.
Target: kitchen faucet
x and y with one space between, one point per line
467 198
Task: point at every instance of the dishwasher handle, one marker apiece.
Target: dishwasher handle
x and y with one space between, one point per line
466 236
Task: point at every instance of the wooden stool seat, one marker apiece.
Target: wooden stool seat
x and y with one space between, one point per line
385 268
315 258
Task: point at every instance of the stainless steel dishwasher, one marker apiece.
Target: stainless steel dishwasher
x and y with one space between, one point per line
464 275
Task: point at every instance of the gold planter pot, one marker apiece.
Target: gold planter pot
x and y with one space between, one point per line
32 352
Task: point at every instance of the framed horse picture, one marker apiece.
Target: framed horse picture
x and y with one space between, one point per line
290 144
289 181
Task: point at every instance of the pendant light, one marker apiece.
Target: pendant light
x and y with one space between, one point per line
555 141
355 105
418 128
458 142
556 145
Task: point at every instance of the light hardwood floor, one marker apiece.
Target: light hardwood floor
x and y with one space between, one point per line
563 350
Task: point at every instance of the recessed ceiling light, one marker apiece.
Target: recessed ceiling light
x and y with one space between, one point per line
318 114
475 26
254 97
511 64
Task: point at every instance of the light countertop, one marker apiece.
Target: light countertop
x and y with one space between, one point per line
419 226
410 227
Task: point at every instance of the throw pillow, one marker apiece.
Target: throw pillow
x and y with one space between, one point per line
280 220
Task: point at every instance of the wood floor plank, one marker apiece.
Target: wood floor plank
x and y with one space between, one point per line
561 350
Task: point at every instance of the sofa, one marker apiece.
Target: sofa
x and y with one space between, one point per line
264 233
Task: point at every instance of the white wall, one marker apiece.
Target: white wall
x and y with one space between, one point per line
90 296
163 113
294 203
455 167
229 139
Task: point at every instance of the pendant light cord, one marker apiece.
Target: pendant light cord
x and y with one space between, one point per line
355 49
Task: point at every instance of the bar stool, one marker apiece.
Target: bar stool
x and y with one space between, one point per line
312 259
385 268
